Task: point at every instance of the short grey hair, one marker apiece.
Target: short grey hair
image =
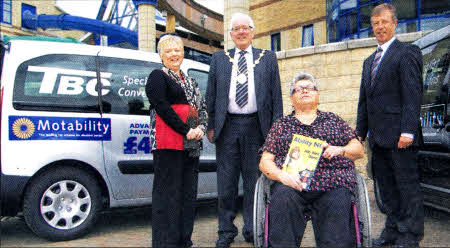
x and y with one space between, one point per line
302 76
241 15
385 6
168 38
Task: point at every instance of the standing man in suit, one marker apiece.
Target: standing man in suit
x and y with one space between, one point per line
388 112
243 100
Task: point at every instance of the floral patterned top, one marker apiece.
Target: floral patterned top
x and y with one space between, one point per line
330 173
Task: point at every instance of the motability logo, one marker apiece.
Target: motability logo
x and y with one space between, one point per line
58 128
23 128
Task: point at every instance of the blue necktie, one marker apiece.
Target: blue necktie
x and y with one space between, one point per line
242 87
376 63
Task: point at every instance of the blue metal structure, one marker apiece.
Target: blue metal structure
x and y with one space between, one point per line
68 22
122 13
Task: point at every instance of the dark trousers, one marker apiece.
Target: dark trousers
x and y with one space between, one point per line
236 153
397 173
330 211
173 201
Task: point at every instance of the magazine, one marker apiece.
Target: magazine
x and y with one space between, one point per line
302 158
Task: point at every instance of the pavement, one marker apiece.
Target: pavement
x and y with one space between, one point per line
132 228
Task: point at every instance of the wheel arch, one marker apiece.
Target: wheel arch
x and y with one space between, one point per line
75 164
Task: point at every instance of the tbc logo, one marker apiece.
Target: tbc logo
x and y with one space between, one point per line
71 81
23 128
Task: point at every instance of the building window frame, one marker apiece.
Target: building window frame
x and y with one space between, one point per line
6 8
275 42
305 30
27 7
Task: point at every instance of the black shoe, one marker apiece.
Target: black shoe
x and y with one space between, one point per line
249 239
223 242
388 237
406 240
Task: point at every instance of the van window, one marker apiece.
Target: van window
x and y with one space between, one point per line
201 77
57 82
127 90
435 91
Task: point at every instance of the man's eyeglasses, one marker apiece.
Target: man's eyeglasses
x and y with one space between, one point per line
306 89
243 28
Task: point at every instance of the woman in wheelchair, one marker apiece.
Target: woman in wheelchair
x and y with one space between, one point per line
328 198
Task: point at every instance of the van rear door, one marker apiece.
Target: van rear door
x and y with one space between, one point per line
50 110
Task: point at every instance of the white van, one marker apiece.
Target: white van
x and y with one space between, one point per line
71 147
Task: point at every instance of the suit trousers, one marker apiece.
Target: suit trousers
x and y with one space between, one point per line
174 197
397 174
330 211
237 153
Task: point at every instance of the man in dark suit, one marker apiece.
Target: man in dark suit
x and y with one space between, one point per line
388 112
243 100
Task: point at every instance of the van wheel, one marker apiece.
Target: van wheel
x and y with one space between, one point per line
62 204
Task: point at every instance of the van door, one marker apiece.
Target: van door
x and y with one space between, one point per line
207 181
127 155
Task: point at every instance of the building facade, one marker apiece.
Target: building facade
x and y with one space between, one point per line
289 24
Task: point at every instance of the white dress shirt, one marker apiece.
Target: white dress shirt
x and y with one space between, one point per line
251 106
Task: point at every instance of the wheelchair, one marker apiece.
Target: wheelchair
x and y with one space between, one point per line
360 208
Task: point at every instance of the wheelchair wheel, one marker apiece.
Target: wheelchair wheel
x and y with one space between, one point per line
378 198
363 206
259 210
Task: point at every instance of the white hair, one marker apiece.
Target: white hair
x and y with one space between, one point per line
241 15
302 76
168 38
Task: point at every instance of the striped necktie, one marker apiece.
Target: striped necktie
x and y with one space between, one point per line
376 62
242 86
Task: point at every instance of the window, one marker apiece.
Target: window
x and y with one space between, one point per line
406 9
68 83
365 15
348 24
436 61
126 93
434 23
201 77
308 36
5 11
432 8
350 19
57 82
332 32
276 42
406 27
29 8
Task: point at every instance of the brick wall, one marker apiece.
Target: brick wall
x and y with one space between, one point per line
287 18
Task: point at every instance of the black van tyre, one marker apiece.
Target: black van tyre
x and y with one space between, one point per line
62 204
363 206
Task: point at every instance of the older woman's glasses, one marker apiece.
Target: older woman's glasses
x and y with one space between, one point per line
244 28
304 88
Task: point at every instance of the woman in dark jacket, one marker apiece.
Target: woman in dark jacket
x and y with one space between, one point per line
178 120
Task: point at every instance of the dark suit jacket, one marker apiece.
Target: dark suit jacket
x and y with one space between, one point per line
267 90
390 104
